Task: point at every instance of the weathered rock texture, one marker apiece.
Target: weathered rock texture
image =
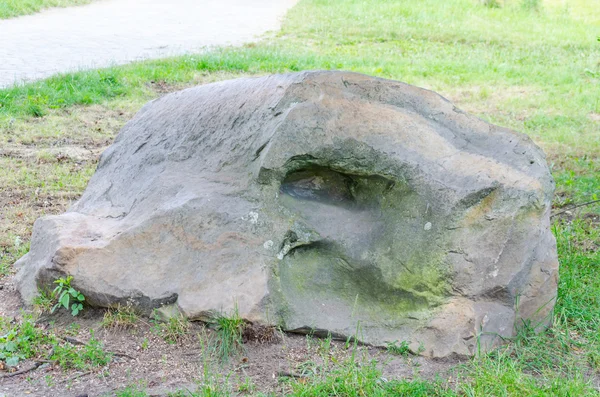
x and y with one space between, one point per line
328 201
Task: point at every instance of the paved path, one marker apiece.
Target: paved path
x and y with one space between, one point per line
111 32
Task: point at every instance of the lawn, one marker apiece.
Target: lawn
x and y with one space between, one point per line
533 66
15 8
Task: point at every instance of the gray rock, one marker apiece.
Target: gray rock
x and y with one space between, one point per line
318 201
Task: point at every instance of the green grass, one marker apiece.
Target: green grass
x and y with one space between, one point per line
21 341
24 339
359 377
173 330
43 302
47 177
131 391
15 8
15 249
120 317
229 331
354 375
539 76
578 304
578 182
89 356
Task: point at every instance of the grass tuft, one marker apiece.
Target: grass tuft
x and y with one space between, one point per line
121 317
229 331
43 302
401 349
174 329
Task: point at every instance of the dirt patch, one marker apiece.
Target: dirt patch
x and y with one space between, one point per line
45 163
9 298
493 100
594 117
142 357
21 206
52 154
86 127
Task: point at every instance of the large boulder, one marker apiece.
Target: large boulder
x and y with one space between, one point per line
320 202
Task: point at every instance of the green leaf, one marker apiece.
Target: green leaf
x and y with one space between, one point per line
12 361
10 346
76 308
64 300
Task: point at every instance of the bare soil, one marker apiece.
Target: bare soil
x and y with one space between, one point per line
143 358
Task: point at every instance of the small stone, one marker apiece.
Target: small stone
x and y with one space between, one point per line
427 226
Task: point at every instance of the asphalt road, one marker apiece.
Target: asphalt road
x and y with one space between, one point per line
109 32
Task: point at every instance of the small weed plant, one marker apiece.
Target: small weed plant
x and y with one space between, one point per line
24 339
68 297
73 329
175 329
247 386
401 349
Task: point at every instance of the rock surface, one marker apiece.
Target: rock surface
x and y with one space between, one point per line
318 201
